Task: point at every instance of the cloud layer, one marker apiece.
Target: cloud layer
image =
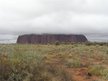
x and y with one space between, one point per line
53 16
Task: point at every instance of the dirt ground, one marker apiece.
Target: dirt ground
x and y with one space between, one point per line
76 74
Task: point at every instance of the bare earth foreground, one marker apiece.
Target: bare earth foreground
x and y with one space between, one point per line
72 62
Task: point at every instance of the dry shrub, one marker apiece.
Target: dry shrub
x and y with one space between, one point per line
32 70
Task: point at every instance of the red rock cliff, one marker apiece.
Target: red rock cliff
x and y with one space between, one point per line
49 38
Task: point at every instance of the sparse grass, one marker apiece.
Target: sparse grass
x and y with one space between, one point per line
72 63
26 63
99 70
30 62
96 70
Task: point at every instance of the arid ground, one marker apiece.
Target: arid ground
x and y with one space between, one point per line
64 62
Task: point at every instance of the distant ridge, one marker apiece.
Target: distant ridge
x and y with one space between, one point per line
50 38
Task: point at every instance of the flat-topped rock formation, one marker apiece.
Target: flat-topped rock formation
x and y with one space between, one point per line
50 38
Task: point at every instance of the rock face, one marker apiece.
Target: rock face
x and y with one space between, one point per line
50 38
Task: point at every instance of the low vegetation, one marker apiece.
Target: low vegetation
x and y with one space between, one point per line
99 70
59 62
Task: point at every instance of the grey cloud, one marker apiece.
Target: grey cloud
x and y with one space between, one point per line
53 16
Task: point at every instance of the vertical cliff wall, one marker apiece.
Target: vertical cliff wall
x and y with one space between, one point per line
49 38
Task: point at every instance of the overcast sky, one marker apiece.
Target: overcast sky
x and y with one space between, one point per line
89 17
